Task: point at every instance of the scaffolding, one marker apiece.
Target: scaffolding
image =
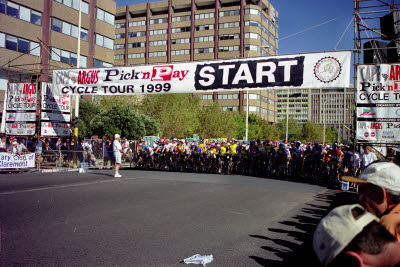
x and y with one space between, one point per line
367 15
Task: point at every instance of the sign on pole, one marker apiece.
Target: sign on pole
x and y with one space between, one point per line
313 70
378 103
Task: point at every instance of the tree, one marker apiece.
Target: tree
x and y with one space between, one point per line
294 130
311 132
258 128
330 135
214 122
87 110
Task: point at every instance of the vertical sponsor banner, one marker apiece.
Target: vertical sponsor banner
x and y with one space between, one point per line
378 103
56 113
21 105
3 116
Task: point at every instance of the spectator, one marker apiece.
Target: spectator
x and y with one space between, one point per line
3 147
351 236
367 157
117 149
21 148
379 193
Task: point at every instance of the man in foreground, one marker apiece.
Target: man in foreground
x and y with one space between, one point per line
118 151
351 236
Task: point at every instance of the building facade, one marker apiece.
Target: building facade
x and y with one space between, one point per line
194 30
25 25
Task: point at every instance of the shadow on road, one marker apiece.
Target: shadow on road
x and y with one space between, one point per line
291 239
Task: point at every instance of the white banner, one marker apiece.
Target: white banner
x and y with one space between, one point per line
12 161
17 117
378 103
313 70
56 113
55 129
20 128
22 97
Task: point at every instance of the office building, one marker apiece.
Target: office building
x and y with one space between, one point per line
200 30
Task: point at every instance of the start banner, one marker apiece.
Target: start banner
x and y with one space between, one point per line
12 161
313 70
378 103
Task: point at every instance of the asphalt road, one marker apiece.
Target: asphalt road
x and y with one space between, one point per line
158 219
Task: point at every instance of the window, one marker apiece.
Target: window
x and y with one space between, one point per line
252 48
23 45
228 48
230 108
158 21
119 57
55 54
2 40
180 52
180 41
252 11
84 34
182 29
134 45
65 56
101 64
119 25
157 32
34 48
3 6
252 23
83 61
56 25
229 36
25 13
158 54
84 8
11 42
204 16
204 50
203 27
229 13
66 28
136 34
265 30
75 4
158 43
74 59
250 35
204 39
68 3
12 9
105 16
229 25
104 41
119 46
137 55
36 17
182 18
120 36
74 31
137 23
207 97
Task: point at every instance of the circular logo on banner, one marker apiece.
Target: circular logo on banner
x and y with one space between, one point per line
398 112
366 134
327 69
372 134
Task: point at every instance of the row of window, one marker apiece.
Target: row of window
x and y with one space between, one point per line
181 29
180 52
229 13
101 64
228 96
68 29
204 27
105 16
204 50
68 57
75 5
251 35
158 54
159 21
19 44
204 16
230 108
21 12
135 45
181 18
104 41
204 39
229 25
119 46
136 55
119 57
158 43
252 23
229 36
136 23
136 34
228 48
180 41
252 11
158 32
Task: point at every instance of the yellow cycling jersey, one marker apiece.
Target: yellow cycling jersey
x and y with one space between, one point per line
222 150
203 147
233 148
212 151
268 149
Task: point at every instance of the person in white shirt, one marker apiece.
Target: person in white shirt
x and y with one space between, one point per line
3 147
367 157
117 149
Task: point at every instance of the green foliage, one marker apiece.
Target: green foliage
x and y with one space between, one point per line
311 132
215 123
294 130
330 135
115 118
258 128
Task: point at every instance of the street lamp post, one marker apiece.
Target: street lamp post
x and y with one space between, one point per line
287 116
324 110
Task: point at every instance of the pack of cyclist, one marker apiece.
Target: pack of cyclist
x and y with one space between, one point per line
259 158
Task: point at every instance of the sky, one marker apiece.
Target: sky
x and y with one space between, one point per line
296 16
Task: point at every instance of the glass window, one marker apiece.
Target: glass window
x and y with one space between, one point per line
99 40
2 40
74 59
65 56
3 6
25 13
84 34
11 42
57 25
55 54
66 28
108 43
75 4
35 49
85 8
109 18
74 31
98 63
83 61
100 14
68 3
12 9
23 45
36 17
